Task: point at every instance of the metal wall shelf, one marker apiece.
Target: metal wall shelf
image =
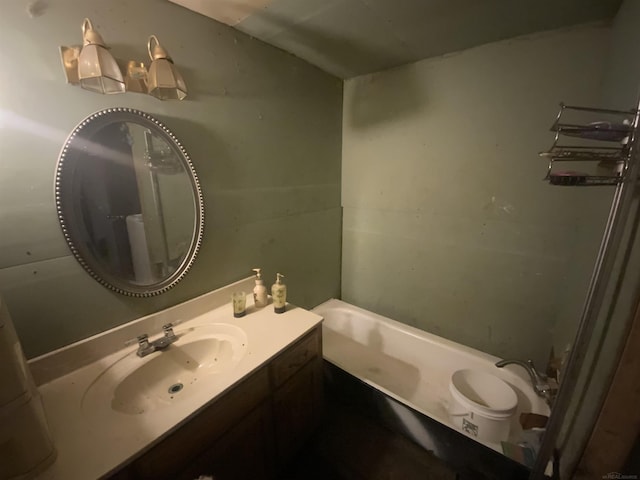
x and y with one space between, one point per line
590 134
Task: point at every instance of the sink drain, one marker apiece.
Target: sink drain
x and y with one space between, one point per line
175 388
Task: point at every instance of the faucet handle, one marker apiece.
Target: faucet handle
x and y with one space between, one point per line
140 340
168 329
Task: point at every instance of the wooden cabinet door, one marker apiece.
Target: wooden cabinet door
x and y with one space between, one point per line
297 408
244 453
185 445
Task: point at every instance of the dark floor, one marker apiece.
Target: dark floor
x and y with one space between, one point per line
349 446
310 466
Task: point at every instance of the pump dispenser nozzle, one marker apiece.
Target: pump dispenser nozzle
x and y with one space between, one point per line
258 274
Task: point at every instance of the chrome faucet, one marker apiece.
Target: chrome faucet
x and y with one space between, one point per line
145 347
544 386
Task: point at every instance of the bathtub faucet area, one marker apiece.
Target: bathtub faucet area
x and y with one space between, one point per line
542 384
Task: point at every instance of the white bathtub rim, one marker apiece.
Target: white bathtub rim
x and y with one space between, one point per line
487 360
336 304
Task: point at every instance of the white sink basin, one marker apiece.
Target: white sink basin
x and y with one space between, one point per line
134 385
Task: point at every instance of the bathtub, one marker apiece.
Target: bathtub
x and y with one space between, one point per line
412 368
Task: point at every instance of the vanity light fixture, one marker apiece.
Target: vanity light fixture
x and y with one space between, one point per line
93 68
163 80
97 69
90 65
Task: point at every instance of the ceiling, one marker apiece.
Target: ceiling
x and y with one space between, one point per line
352 37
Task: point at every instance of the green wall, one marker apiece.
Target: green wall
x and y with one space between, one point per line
262 128
448 225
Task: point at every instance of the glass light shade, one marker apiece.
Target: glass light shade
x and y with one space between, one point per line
164 80
98 70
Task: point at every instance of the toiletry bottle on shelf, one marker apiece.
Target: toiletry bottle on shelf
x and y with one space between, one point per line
260 298
279 295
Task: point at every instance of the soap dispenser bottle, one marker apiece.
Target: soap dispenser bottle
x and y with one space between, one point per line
279 294
260 297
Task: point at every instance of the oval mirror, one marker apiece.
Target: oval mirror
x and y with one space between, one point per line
129 202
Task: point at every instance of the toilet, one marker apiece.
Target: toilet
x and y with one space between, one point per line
26 447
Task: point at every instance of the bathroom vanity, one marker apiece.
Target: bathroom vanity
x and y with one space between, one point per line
250 393
250 431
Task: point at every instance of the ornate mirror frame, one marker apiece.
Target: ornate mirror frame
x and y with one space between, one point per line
79 139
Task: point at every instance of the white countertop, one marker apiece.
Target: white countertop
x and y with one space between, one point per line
90 445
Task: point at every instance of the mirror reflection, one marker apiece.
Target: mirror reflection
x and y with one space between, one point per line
129 202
